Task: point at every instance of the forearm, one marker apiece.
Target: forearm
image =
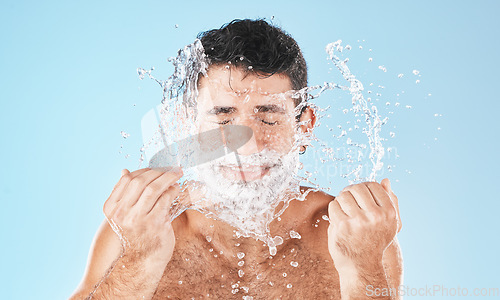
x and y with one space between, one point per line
369 283
130 277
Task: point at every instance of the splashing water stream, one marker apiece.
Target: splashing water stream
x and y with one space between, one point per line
177 121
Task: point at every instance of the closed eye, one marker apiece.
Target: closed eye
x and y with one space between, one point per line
224 122
270 123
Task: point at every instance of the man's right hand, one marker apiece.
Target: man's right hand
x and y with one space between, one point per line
138 209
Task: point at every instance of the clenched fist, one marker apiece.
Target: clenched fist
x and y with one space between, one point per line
364 219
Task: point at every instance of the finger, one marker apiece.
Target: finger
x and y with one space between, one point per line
335 212
164 203
396 202
348 203
363 196
136 187
387 186
139 172
379 193
118 189
155 189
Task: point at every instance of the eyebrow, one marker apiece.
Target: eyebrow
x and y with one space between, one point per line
217 110
270 108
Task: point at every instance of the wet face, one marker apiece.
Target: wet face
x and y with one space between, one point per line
264 104
244 187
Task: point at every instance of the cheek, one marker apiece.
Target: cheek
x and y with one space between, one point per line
278 138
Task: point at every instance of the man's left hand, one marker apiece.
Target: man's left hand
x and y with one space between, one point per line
364 219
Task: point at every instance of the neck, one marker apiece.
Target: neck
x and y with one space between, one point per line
220 236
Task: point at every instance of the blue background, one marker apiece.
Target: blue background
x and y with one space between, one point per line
68 86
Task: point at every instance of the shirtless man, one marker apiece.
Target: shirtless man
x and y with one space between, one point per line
355 255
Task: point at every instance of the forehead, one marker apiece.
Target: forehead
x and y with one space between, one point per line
233 80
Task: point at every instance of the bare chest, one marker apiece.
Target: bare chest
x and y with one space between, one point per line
295 272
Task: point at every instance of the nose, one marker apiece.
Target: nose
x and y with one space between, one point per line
253 145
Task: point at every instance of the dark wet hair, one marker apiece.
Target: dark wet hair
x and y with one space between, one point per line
256 46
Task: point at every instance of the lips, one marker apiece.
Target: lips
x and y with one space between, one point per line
244 172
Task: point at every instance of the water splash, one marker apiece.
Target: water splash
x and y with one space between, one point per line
176 122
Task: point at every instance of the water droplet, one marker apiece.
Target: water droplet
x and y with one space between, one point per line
180 282
408 106
370 59
176 25
210 250
382 68
294 264
416 72
241 263
417 81
278 240
294 234
209 239
345 111
241 273
392 134
289 285
400 75
284 274
124 134
325 217
240 255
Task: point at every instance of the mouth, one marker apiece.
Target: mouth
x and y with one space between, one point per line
244 172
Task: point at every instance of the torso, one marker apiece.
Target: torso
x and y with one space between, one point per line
198 269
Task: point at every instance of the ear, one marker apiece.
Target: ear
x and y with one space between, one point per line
309 116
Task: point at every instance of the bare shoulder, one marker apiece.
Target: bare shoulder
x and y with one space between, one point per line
316 202
307 216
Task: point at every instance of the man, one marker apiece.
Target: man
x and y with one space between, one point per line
353 256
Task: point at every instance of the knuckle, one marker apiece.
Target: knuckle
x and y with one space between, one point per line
137 182
342 195
375 217
127 177
150 190
105 208
391 213
175 188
